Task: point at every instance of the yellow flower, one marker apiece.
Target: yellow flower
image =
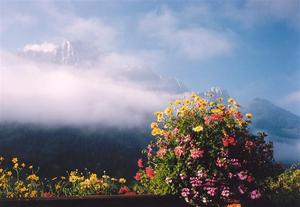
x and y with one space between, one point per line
187 102
9 173
248 115
33 177
178 102
154 125
1 170
122 180
30 167
23 189
231 100
156 131
33 194
16 165
216 111
212 103
168 111
14 160
23 164
93 177
220 99
10 195
198 128
221 106
105 185
159 115
1 158
63 177
114 179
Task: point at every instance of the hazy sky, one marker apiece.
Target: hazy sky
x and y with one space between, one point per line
249 48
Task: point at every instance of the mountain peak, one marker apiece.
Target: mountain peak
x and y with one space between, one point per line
63 53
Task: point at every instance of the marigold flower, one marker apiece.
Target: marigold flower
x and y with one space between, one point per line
23 164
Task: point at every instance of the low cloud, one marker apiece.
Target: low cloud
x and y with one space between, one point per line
117 91
287 151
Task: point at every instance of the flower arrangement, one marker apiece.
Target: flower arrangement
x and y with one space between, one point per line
20 181
204 152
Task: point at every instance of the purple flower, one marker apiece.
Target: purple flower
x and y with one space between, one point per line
255 194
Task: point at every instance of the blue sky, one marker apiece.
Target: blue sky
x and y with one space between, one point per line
249 48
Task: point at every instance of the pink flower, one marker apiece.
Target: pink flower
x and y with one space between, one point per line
149 172
195 182
138 176
175 131
225 192
196 153
211 191
255 194
185 192
140 163
149 151
243 175
161 152
179 151
249 145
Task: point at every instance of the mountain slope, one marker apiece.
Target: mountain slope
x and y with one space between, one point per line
280 124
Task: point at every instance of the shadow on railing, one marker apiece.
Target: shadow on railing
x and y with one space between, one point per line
98 201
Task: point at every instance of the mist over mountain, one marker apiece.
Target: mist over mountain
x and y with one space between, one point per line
66 106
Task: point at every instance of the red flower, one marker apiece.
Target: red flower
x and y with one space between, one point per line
138 176
124 190
229 141
149 172
196 153
48 195
140 163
